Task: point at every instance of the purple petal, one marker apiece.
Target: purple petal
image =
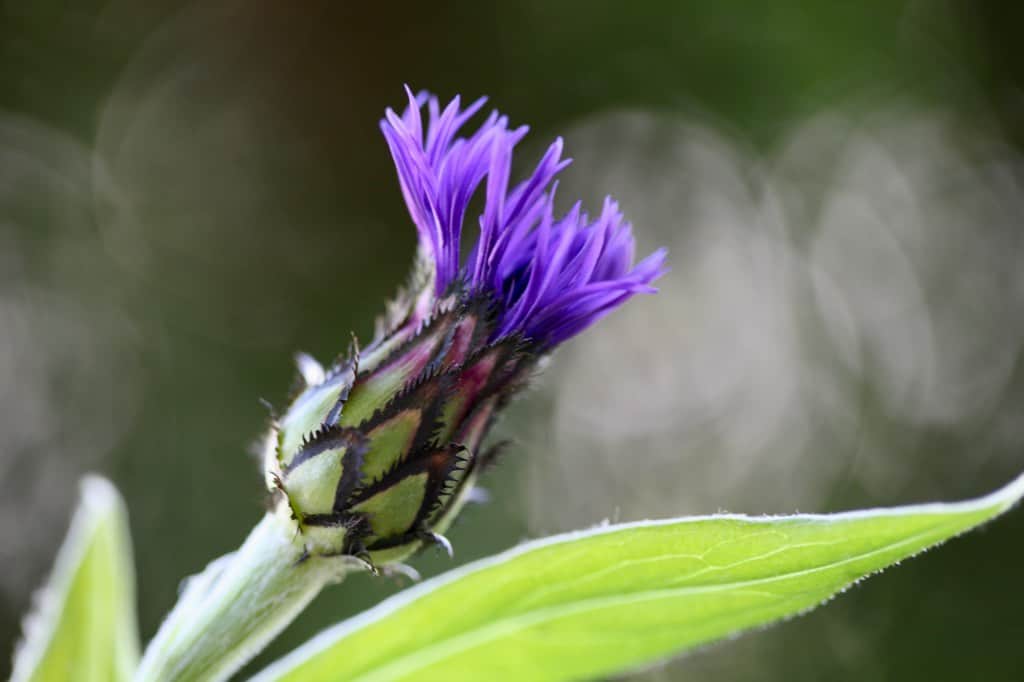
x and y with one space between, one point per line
551 277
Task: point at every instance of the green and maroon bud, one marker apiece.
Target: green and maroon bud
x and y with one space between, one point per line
375 456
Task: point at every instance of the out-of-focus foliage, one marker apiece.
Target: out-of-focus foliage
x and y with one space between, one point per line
83 622
190 192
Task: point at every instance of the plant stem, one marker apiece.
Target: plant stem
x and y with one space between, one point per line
234 608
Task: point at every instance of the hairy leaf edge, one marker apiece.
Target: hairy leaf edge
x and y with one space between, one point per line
997 503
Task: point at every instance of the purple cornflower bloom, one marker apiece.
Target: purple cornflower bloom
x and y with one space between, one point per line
376 455
551 277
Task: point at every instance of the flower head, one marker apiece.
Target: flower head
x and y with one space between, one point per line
375 456
549 276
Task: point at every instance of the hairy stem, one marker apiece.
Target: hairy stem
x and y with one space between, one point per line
230 611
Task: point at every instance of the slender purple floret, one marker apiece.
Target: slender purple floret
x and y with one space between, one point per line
551 276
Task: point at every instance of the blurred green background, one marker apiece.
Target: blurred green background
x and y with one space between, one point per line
189 193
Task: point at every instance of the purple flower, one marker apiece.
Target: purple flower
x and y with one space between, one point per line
551 277
376 455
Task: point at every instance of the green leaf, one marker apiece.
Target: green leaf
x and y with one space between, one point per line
593 603
83 627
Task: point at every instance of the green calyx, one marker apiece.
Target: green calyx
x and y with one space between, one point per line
375 457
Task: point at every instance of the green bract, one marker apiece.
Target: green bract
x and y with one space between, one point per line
375 456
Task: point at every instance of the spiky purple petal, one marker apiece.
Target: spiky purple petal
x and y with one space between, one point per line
551 276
